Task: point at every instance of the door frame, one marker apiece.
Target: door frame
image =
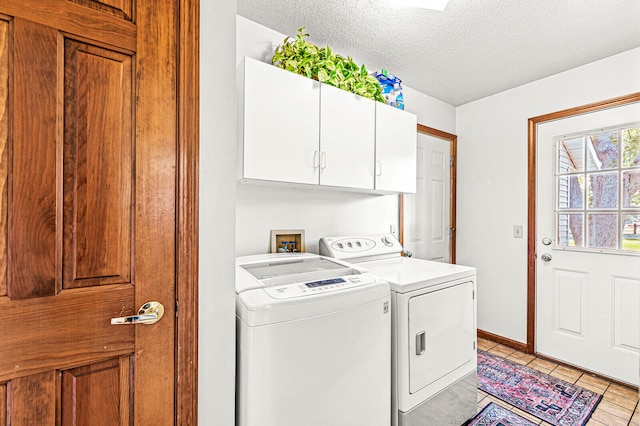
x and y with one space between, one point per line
186 345
531 214
453 152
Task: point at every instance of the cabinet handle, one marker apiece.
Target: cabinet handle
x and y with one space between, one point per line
420 343
378 168
316 164
323 160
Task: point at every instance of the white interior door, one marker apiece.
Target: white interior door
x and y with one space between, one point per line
588 231
426 216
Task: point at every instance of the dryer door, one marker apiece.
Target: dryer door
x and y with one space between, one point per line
441 333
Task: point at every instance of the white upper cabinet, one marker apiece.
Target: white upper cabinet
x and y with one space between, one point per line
347 134
396 144
295 130
279 129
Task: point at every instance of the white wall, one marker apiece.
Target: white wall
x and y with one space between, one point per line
216 367
431 112
492 179
319 212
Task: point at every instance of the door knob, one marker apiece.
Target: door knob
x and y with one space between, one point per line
149 313
545 257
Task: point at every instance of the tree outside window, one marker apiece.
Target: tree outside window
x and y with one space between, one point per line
598 190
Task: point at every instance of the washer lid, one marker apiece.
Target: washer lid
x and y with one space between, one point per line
406 274
270 270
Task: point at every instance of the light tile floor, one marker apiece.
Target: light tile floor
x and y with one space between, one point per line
619 404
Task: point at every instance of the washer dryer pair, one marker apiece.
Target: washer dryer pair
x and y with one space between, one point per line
433 329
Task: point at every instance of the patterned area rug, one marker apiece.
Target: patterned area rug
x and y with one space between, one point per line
495 415
548 398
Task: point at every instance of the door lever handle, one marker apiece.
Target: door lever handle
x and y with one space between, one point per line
149 313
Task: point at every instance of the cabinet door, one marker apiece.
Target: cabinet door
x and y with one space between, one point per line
441 334
347 136
279 125
396 136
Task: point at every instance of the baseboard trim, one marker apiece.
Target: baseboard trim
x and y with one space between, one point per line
519 346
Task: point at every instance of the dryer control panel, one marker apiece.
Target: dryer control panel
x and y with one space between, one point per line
361 248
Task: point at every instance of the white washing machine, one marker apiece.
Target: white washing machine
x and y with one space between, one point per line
313 343
434 359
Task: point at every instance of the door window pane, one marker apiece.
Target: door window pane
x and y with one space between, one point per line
631 189
603 190
631 232
570 229
631 147
571 155
598 189
603 230
571 192
602 151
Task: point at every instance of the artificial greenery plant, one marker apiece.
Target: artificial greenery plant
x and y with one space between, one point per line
304 58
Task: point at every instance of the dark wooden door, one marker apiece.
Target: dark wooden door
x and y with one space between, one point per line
88 210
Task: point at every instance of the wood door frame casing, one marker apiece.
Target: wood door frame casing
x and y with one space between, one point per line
532 193
186 346
453 152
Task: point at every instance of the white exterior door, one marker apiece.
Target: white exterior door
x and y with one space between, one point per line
588 241
427 214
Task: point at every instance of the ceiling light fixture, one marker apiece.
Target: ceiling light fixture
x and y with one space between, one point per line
438 5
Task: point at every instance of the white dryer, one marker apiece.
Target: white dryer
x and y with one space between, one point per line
313 343
433 306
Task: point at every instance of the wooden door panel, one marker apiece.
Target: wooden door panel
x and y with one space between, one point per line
33 399
121 8
32 252
77 19
4 150
3 404
98 166
98 393
88 128
44 334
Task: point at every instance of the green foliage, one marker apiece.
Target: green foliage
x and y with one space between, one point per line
304 58
631 150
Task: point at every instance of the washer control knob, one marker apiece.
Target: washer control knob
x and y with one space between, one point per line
386 242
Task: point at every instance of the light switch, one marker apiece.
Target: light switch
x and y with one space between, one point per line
517 231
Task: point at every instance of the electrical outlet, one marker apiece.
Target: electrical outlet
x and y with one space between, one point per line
517 231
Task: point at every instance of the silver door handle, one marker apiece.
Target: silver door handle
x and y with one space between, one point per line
316 162
149 313
420 343
378 168
546 257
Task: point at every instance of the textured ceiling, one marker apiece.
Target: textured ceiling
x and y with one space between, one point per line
473 49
